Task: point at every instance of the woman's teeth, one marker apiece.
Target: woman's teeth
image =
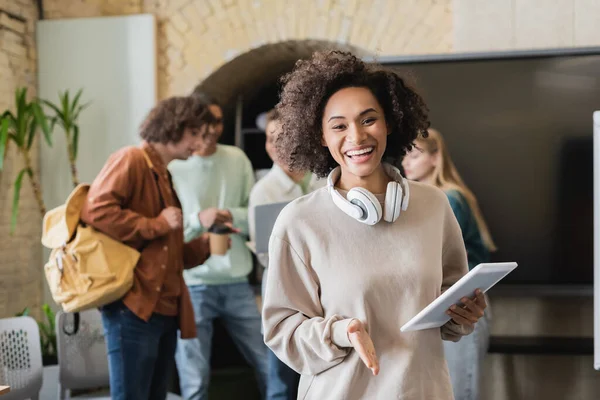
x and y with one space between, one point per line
359 152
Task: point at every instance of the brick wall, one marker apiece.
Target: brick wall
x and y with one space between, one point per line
54 9
197 37
20 254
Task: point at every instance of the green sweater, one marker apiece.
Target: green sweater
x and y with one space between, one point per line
476 251
222 180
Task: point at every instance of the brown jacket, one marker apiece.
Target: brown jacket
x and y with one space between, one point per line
124 202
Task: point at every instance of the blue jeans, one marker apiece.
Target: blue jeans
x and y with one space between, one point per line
465 361
283 381
236 306
140 354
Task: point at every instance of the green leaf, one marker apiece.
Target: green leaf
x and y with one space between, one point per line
54 108
53 121
23 313
21 117
75 101
3 139
7 113
17 191
44 329
49 315
80 109
43 342
31 135
75 144
42 120
64 99
20 95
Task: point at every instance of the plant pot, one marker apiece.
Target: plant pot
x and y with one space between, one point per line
49 360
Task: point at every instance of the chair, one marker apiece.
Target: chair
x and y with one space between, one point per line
20 358
82 357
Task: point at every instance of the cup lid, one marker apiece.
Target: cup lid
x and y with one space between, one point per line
220 229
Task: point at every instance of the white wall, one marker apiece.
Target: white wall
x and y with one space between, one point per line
113 59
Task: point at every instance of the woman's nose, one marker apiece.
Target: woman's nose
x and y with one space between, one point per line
356 134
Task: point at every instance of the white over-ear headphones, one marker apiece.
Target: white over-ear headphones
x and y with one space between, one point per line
363 206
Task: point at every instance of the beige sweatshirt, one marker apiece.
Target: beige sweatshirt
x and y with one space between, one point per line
326 268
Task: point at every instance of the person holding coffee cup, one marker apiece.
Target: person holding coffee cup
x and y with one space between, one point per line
214 186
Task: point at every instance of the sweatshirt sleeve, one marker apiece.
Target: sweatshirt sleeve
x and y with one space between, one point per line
240 213
454 265
295 326
192 228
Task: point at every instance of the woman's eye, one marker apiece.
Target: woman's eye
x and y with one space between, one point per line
338 127
369 121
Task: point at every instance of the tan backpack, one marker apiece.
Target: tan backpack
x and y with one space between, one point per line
86 268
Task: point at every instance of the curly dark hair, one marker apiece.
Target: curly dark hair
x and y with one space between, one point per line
309 86
206 97
167 121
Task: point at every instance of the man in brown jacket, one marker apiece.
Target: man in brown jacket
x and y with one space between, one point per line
132 200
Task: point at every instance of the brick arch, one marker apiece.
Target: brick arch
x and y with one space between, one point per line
248 72
198 37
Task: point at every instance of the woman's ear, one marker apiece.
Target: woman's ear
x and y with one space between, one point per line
323 142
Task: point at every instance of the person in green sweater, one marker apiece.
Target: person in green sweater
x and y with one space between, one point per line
430 162
214 186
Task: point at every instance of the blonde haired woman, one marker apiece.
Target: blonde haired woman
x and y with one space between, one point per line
429 162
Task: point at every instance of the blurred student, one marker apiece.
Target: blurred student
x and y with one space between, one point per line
278 185
430 162
214 185
134 202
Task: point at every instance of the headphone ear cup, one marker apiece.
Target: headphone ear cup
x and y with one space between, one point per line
368 203
393 202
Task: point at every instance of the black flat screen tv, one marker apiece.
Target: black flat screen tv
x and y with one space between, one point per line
519 129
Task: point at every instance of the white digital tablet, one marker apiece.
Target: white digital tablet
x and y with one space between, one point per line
483 277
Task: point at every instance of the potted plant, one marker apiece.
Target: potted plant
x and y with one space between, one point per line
20 128
47 335
66 114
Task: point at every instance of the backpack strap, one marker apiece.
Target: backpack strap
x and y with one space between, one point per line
147 157
151 166
75 326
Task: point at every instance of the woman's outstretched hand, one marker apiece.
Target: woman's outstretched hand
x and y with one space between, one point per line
362 343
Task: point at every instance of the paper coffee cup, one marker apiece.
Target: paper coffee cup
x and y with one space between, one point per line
219 243
219 239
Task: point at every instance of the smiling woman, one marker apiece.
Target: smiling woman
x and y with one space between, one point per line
351 263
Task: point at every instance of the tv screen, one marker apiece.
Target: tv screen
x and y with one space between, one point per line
519 129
